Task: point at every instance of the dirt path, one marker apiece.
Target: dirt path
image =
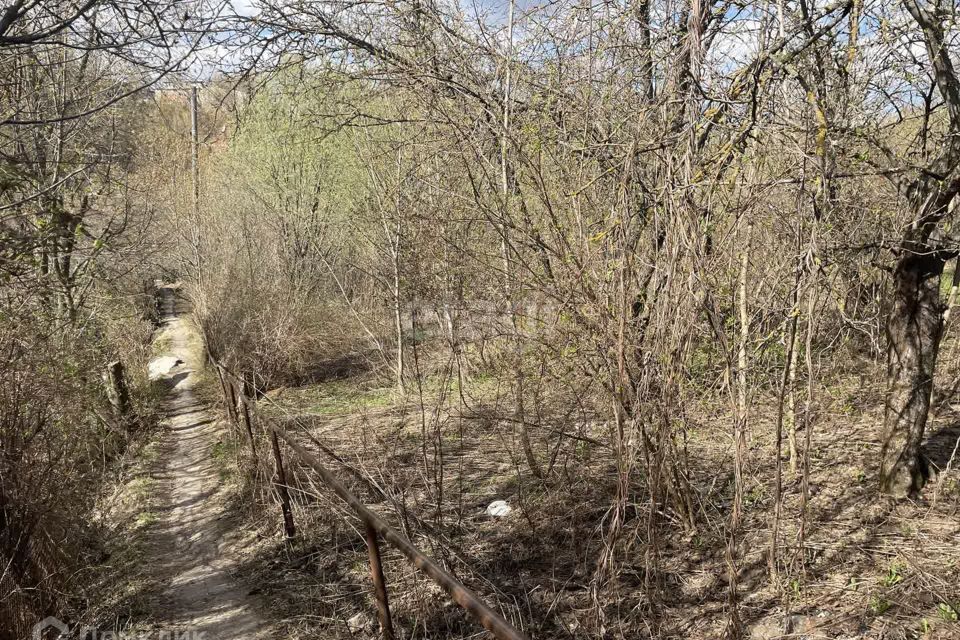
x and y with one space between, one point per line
196 553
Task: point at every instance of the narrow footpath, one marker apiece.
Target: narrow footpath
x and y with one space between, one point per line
193 543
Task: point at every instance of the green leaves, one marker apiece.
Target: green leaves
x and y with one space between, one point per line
947 611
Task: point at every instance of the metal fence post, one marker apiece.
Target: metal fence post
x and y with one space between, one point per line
227 395
247 421
232 402
379 585
281 486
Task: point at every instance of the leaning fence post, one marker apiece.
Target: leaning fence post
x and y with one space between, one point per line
119 394
281 486
229 399
227 395
247 420
232 402
379 585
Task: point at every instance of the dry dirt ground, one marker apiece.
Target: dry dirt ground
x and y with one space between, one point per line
869 568
193 547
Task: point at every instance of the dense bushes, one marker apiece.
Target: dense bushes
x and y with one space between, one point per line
58 440
277 220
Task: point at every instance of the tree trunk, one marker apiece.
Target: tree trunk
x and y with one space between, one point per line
915 325
398 313
791 417
914 329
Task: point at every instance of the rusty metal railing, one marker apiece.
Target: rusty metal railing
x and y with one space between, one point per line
241 408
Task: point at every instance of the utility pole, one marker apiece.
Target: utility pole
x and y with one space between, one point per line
195 166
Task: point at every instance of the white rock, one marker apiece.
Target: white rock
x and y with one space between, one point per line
360 623
498 508
161 366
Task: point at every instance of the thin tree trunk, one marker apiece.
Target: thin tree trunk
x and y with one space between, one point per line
395 249
646 52
789 372
807 420
398 313
791 417
735 625
507 262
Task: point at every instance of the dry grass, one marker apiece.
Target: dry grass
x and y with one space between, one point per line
869 568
